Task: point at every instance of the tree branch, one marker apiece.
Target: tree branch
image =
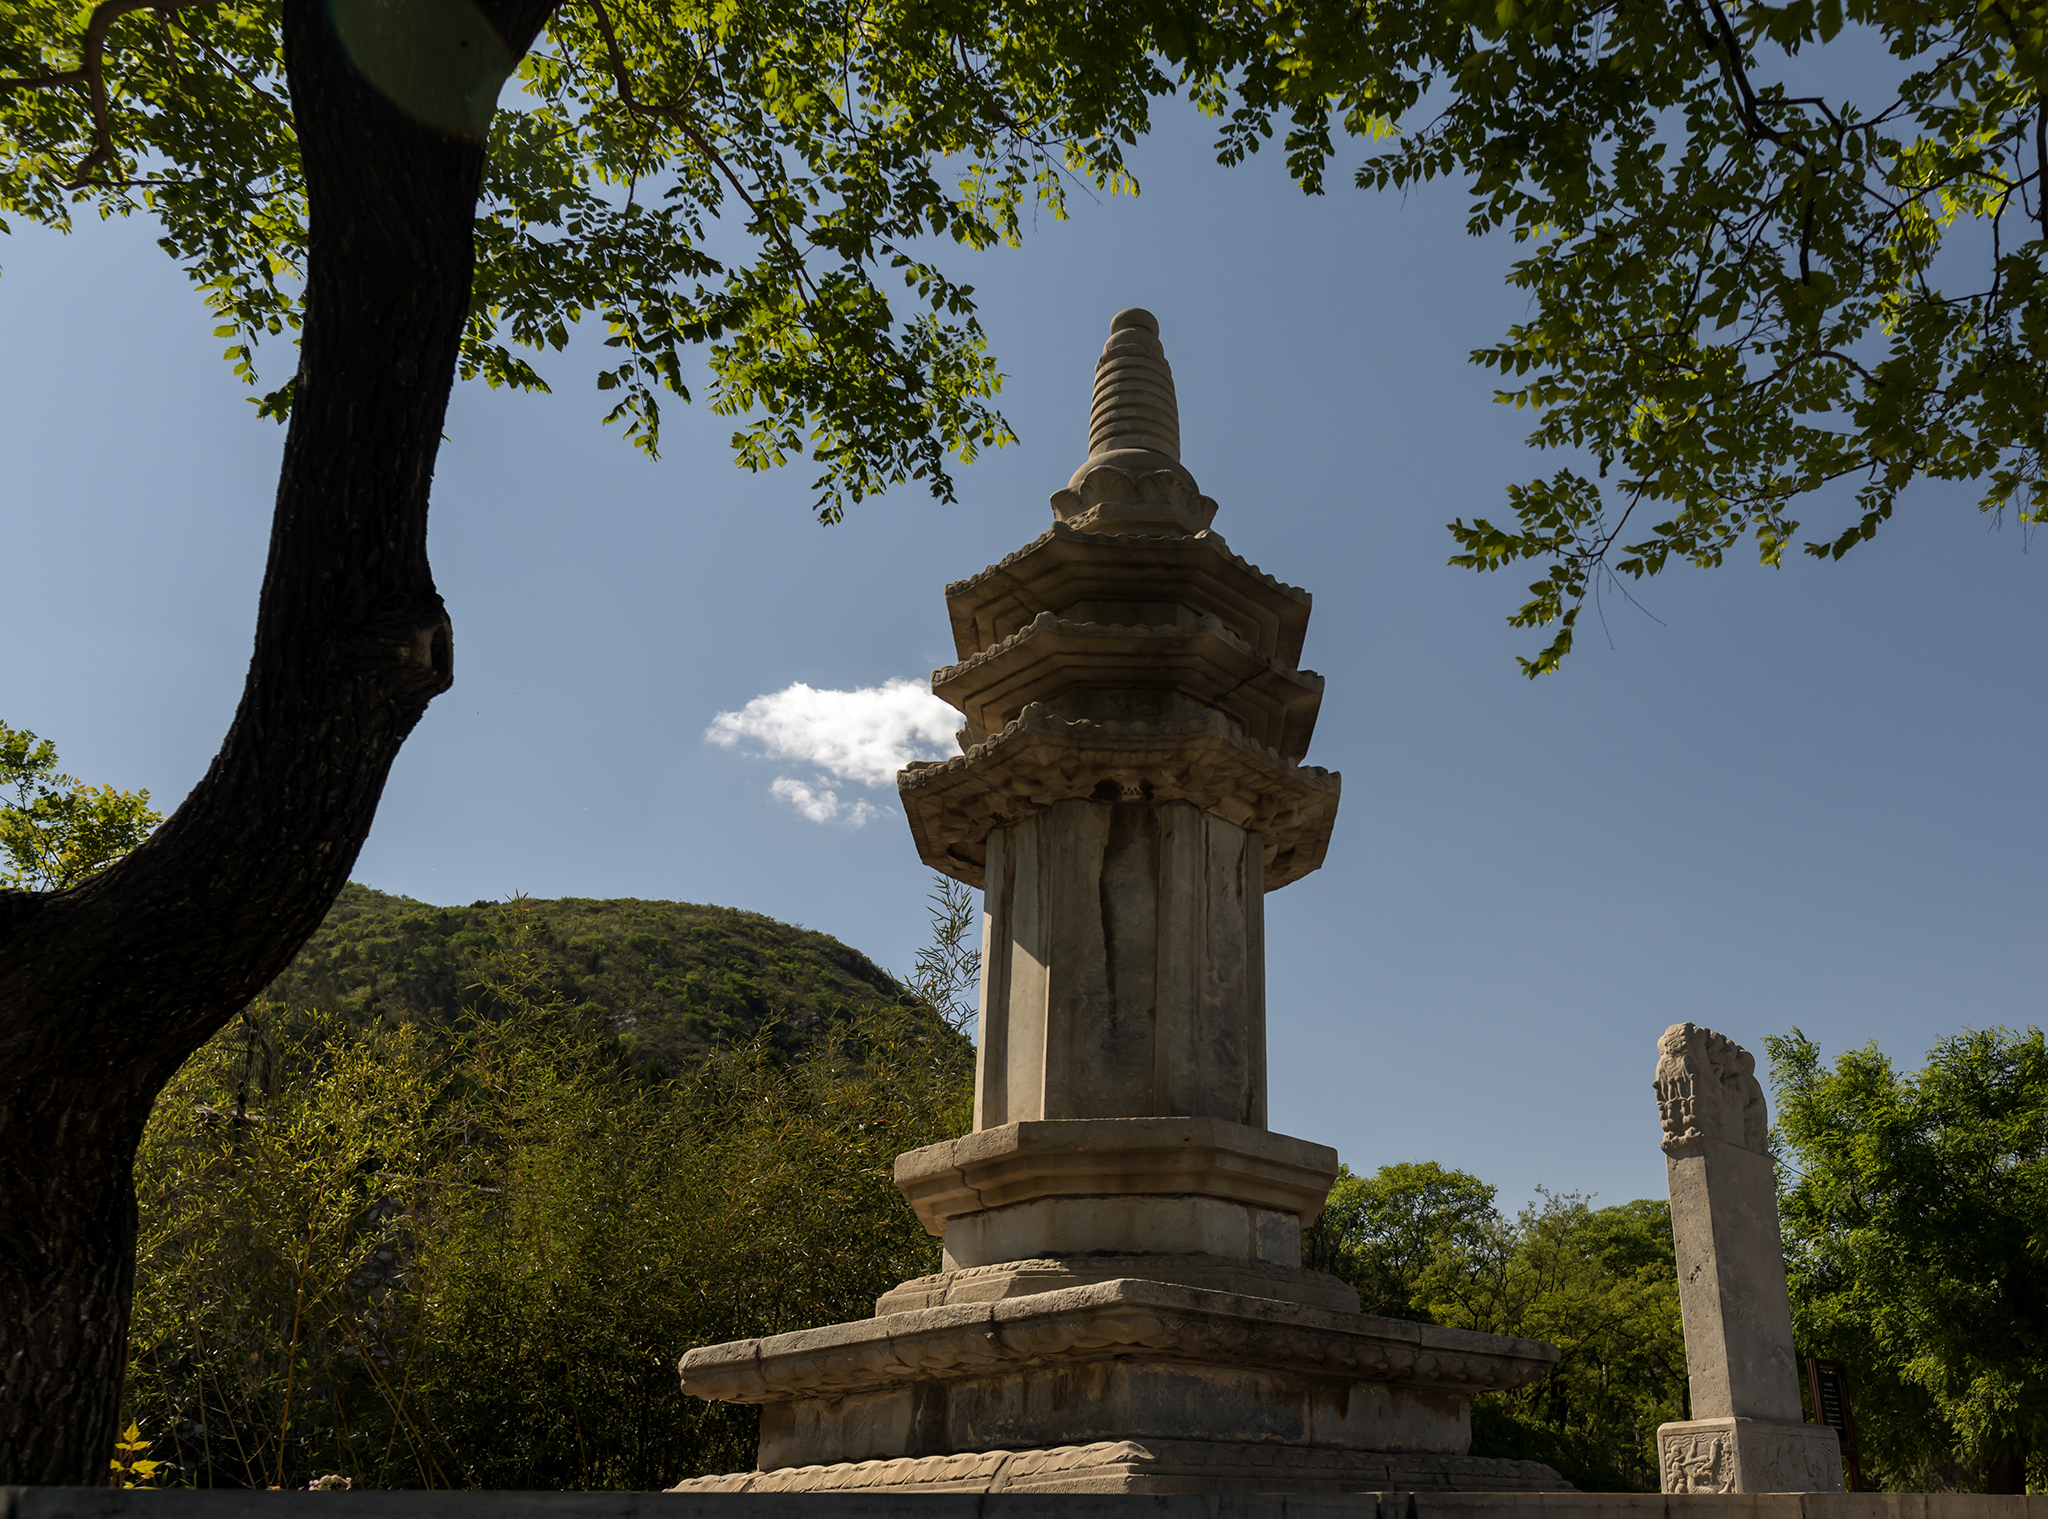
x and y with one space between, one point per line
1721 40
2041 158
676 117
91 73
283 111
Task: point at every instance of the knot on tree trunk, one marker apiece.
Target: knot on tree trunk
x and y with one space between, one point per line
411 650
431 648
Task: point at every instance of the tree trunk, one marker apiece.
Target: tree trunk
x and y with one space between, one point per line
105 989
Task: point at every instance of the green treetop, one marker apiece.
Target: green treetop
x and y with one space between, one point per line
56 830
1383 1233
1915 1211
1769 250
770 182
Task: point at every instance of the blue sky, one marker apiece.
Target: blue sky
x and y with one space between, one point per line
1798 797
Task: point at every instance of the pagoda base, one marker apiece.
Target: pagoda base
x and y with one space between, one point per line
1151 1466
1192 1387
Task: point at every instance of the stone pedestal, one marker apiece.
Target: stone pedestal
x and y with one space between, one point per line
1749 1456
1029 1207
1746 1435
1122 1305
1135 1385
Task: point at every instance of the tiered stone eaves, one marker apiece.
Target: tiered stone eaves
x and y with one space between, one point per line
1136 672
1067 568
1120 667
1042 758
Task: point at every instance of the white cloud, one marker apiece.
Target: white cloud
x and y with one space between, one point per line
862 736
821 804
865 735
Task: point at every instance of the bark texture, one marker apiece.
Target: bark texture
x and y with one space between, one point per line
106 988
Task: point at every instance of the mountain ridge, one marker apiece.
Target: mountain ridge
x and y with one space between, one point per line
675 980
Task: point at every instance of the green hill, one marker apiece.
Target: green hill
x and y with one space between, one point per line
675 979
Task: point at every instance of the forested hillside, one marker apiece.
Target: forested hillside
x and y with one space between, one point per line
416 1222
674 980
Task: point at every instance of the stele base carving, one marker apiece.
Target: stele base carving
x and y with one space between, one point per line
1749 1456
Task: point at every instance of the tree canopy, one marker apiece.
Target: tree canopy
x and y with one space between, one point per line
1915 1213
1423 1241
1770 249
753 179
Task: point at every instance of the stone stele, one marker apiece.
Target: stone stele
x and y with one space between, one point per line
1746 1434
1122 1305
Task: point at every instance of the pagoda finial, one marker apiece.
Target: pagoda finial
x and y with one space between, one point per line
1132 479
1135 410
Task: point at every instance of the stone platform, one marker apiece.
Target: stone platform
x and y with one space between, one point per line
1212 1273
1152 1467
1097 1388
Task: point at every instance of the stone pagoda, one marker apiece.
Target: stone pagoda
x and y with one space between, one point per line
1123 1306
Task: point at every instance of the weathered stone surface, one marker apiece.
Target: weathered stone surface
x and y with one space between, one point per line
1105 1322
1707 1089
1043 759
1136 672
1211 1273
1112 498
1125 578
1724 1223
1122 1397
1748 1456
1731 1279
1074 1158
1123 967
1164 1227
1740 1362
1164 1467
